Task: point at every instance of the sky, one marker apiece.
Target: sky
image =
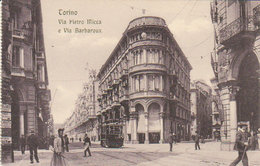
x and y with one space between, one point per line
69 55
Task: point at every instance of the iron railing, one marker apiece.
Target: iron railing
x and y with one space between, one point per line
235 27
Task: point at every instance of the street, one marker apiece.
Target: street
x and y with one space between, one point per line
143 154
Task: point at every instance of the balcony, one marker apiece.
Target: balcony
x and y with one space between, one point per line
115 101
46 96
110 88
108 108
124 73
173 97
145 94
123 96
40 55
233 32
147 67
115 82
104 92
19 34
17 71
256 18
99 97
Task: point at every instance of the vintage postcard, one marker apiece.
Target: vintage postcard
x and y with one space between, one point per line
130 82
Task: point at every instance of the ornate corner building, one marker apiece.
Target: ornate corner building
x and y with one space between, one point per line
144 85
201 109
235 62
25 62
84 119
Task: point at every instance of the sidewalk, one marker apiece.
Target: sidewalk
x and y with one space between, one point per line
209 150
183 154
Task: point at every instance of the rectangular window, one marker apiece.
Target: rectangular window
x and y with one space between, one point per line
149 56
150 82
142 84
15 20
153 56
156 83
18 57
156 56
129 137
140 56
136 83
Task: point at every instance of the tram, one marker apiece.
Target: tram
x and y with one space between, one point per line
111 135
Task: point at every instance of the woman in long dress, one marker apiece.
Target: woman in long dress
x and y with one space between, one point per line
58 158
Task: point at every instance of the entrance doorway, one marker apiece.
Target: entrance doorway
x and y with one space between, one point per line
141 138
248 95
154 138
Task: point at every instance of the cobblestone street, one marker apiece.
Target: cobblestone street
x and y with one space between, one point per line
142 154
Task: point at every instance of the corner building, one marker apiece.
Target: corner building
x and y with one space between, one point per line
24 52
235 62
145 85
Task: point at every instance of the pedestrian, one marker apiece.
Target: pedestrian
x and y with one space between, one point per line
253 141
241 145
197 141
58 158
66 139
22 143
33 144
51 141
171 140
87 144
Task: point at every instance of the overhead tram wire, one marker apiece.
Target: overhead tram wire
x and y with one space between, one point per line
193 6
181 10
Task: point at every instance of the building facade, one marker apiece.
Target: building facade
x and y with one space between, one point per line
144 85
24 53
201 110
84 118
235 61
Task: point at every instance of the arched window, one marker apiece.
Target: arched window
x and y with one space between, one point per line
154 118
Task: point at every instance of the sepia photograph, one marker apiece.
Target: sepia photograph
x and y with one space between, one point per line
130 82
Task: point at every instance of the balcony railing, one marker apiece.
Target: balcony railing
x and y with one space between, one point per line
256 12
18 34
115 82
124 73
18 71
235 27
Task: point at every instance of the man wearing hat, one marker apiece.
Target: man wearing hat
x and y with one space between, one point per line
171 140
241 145
33 144
197 141
87 144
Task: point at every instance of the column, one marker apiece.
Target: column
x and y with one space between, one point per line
145 82
125 130
233 113
147 128
144 56
21 122
133 126
162 127
161 83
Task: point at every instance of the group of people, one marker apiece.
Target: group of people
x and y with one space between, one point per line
244 142
58 145
173 139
